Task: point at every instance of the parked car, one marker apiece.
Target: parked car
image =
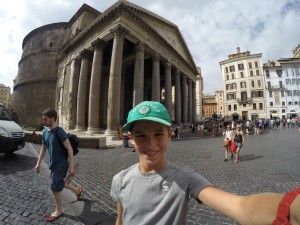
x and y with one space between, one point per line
12 137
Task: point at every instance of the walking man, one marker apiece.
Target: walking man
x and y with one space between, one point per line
53 139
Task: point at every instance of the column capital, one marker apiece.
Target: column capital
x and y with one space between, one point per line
156 57
119 31
177 71
168 65
85 54
190 81
98 43
140 46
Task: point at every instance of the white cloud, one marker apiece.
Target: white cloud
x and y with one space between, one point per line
212 29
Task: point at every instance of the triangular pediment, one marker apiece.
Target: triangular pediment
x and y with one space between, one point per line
166 29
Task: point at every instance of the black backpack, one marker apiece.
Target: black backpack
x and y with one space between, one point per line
74 141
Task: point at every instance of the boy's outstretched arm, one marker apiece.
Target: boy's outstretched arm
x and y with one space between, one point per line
256 209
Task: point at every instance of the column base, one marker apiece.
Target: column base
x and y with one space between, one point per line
79 129
111 134
92 130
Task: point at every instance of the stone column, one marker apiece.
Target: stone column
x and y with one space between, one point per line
199 90
114 87
94 97
194 102
184 99
73 90
156 78
82 91
190 102
138 85
168 88
177 98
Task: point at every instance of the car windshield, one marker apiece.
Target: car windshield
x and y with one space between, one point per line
4 115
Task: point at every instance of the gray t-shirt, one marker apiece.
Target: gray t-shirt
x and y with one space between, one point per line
156 198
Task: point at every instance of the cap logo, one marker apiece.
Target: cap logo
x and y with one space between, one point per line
144 110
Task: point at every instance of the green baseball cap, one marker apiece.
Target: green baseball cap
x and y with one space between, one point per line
150 111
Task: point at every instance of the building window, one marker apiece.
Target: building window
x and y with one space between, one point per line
260 94
271 103
227 77
234 86
279 73
295 103
280 84
232 76
270 94
295 92
244 96
234 107
260 106
256 64
254 106
283 111
250 65
241 66
282 93
258 83
290 103
289 92
252 83
231 68
283 103
251 73
226 69
257 72
269 84
244 105
229 107
243 84
287 81
253 94
242 74
267 73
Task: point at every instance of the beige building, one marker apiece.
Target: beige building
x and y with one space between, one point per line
5 96
96 67
209 105
219 95
244 96
296 51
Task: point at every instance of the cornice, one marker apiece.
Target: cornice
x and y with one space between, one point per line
43 50
241 58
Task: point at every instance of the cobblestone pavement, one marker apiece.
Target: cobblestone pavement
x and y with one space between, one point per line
269 163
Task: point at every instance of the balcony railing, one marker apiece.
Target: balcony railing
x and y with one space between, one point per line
276 88
244 101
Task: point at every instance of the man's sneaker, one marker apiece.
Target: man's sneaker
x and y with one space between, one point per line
225 160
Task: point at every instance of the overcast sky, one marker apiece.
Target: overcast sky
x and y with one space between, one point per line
212 29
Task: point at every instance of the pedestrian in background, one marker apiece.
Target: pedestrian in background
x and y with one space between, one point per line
59 164
228 139
239 139
155 191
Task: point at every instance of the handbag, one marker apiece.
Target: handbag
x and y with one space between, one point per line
226 143
233 147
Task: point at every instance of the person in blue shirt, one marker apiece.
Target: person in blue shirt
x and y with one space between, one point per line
59 164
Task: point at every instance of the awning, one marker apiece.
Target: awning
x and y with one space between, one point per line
274 114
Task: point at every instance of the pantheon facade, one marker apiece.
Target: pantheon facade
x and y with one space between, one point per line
96 67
